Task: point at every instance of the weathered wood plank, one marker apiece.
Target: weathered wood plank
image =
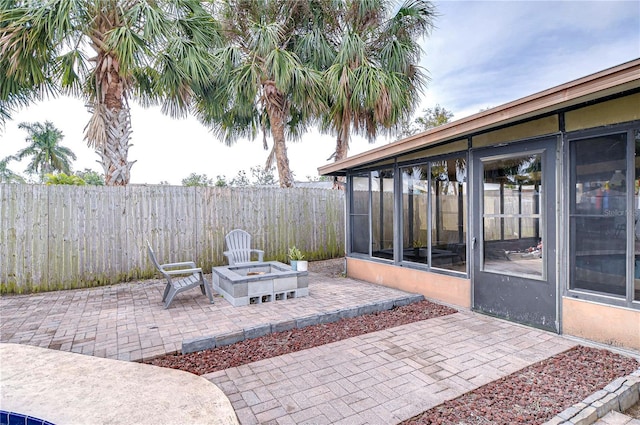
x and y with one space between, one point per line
55 237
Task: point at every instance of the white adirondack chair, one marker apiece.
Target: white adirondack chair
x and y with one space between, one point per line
239 248
192 277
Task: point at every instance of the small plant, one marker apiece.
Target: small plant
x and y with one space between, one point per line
295 254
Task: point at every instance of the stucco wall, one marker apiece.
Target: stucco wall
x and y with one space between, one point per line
617 326
447 289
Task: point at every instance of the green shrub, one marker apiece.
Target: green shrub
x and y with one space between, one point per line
62 178
194 179
91 177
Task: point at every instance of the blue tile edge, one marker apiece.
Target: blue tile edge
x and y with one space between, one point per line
12 418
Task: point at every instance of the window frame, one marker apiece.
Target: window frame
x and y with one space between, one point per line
568 169
398 219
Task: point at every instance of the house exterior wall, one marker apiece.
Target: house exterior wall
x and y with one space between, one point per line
457 146
614 111
539 127
600 322
438 287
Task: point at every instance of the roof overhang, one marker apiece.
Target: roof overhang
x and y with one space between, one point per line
596 86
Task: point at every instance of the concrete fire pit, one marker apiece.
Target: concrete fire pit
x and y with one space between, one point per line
259 282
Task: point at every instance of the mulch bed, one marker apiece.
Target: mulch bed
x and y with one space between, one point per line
279 343
536 393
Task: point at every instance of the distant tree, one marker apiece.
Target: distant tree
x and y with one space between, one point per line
263 176
91 177
221 181
197 180
319 179
62 178
164 183
240 180
7 175
430 118
47 155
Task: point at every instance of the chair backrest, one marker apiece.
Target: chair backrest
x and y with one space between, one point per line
152 255
239 245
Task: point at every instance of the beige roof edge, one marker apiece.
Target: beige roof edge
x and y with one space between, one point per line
557 97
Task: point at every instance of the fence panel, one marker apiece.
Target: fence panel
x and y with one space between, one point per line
57 237
23 237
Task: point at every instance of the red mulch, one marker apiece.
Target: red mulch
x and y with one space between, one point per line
536 393
276 344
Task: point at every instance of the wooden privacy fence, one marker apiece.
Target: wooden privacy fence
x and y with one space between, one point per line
63 237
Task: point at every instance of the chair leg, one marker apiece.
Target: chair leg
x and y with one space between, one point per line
205 288
172 293
166 291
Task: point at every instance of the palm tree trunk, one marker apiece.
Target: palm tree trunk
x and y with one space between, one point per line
114 152
342 149
275 110
109 130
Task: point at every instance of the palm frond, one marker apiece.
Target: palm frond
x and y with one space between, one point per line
282 66
71 70
314 48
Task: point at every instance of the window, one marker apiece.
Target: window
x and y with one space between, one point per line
415 195
359 214
511 217
434 205
636 230
598 214
382 201
448 214
371 213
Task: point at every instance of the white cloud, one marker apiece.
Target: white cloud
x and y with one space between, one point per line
488 53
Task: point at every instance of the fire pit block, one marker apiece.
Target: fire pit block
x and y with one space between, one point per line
257 283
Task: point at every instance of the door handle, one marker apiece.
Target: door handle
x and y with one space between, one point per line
473 243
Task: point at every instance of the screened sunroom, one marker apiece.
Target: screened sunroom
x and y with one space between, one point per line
528 211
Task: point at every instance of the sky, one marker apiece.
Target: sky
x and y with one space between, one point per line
481 54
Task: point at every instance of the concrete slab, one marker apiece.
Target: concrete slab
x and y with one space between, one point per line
68 388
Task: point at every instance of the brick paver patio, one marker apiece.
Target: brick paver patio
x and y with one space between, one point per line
128 321
379 378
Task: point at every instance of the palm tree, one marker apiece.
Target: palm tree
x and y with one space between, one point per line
374 81
7 175
44 148
260 82
152 50
14 94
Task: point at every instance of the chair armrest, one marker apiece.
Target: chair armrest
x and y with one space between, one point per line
260 254
185 263
183 271
230 258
